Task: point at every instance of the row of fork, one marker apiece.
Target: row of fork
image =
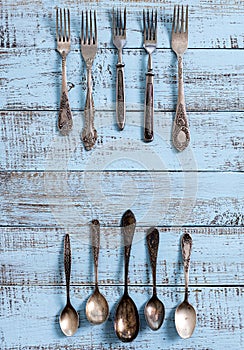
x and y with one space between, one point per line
180 133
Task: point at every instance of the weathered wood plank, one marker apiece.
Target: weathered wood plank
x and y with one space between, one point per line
34 311
213 24
213 81
71 199
30 140
34 256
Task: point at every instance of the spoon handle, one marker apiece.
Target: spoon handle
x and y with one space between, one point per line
128 229
95 237
67 264
152 244
186 246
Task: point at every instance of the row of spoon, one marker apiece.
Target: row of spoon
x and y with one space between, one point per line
126 321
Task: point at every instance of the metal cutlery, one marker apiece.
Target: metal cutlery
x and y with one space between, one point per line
119 41
65 122
88 51
150 45
179 43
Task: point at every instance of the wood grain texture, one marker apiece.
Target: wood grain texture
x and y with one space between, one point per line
30 140
34 310
34 256
70 199
213 24
213 81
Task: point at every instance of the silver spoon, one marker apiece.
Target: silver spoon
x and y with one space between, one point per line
97 309
154 310
126 321
185 314
69 319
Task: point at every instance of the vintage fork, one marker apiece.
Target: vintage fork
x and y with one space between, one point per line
119 41
65 122
150 45
180 133
88 51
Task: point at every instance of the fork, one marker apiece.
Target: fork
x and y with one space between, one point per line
65 122
88 51
150 45
119 41
179 43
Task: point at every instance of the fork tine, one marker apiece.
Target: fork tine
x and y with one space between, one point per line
155 25
148 26
186 27
64 25
120 19
124 20
178 19
173 23
95 26
61 29
68 25
91 38
182 20
57 33
86 27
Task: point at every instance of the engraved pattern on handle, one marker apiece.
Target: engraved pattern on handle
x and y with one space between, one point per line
120 96
67 265
152 244
95 237
128 229
65 122
149 108
181 132
186 247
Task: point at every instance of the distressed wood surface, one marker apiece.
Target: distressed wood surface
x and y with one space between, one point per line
23 249
34 312
213 24
70 199
213 81
31 141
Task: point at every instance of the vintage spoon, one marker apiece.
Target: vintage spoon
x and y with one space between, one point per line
97 309
154 310
126 321
185 314
69 319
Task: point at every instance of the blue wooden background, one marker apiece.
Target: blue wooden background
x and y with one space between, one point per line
50 185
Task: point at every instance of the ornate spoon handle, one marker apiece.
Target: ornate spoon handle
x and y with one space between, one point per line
152 244
95 235
186 247
65 122
128 228
67 265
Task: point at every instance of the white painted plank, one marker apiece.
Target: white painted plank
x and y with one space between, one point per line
34 256
30 141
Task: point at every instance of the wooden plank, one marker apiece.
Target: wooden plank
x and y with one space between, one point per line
34 256
30 141
213 81
35 311
213 24
71 199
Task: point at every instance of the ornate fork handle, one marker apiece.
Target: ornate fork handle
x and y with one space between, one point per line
149 107
89 133
181 133
120 95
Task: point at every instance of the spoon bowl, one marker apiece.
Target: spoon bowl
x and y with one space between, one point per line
185 319
97 309
154 313
69 320
126 319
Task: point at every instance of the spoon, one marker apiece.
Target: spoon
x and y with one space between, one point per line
185 314
126 321
154 310
97 309
69 319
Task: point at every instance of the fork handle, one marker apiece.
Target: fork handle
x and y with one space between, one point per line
120 96
65 122
149 107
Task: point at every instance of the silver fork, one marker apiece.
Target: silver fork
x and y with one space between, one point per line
88 51
119 41
65 122
150 45
180 132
